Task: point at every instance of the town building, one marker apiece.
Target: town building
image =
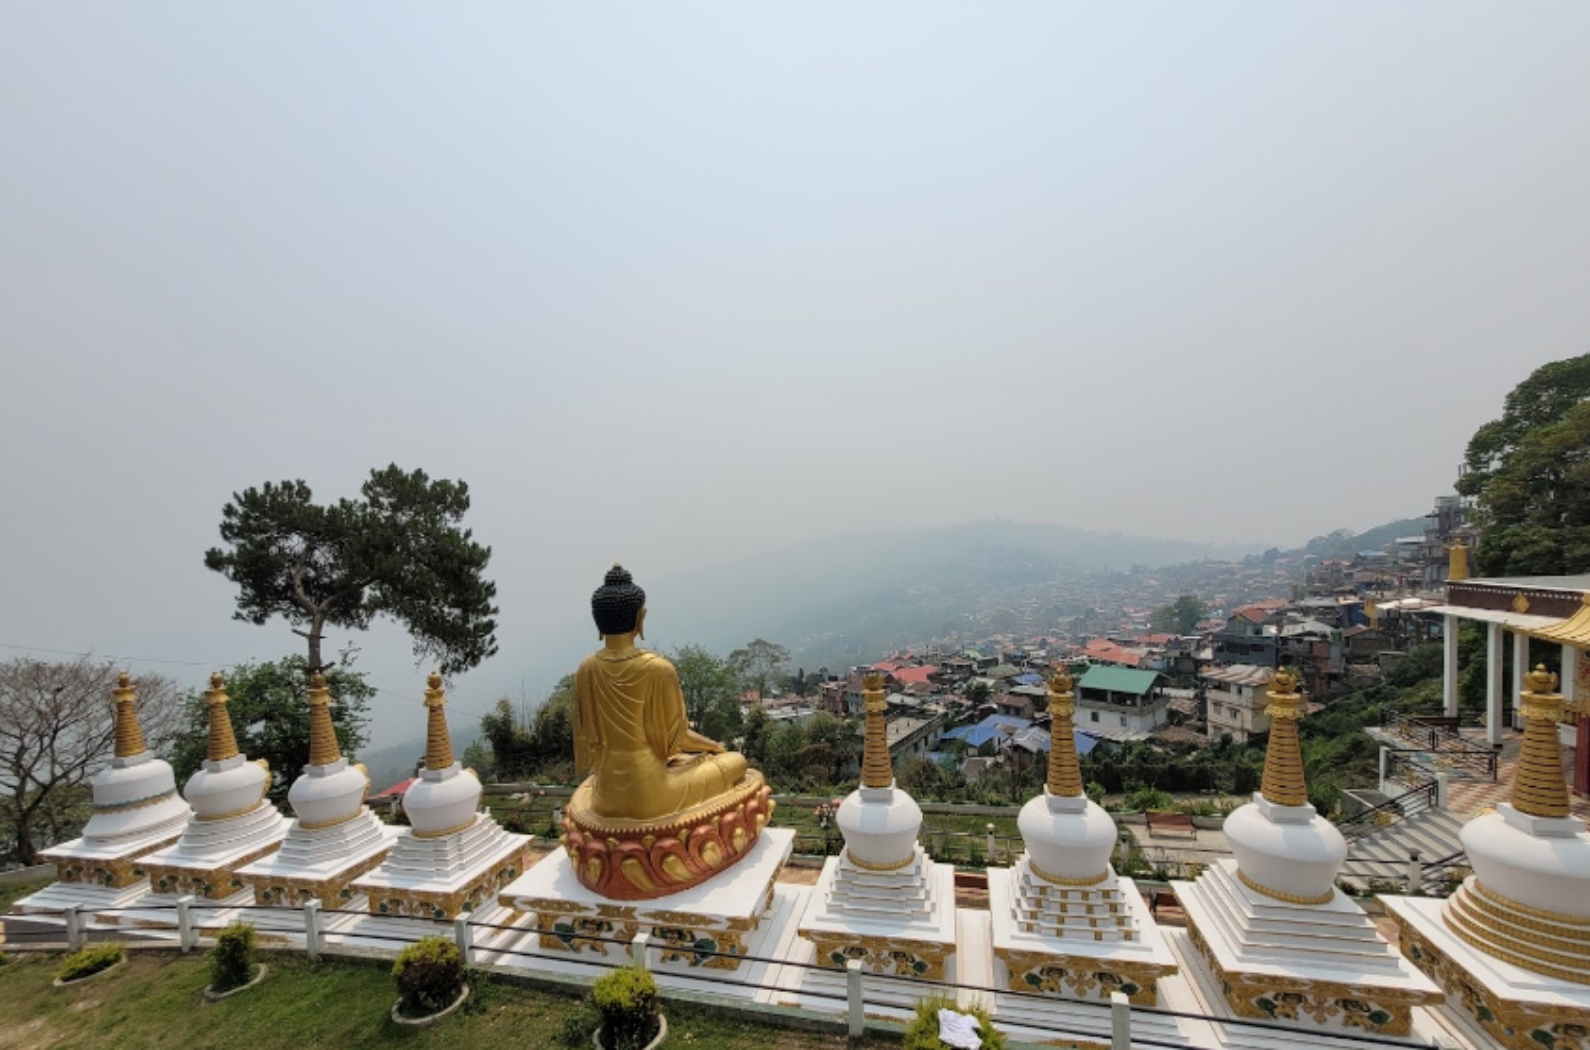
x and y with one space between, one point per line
1121 698
1235 699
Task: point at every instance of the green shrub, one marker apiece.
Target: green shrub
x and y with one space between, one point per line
626 999
429 975
1095 792
89 961
579 1025
1141 798
232 962
923 1031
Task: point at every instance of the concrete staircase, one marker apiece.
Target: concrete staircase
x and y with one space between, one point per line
1382 854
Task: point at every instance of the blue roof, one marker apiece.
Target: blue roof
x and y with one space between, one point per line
1028 679
995 721
1037 739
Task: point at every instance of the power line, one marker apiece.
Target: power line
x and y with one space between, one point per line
220 665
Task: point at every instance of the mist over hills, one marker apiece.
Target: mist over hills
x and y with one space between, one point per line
828 598
851 597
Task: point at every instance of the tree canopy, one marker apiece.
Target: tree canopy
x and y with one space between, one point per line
712 692
268 705
1530 474
398 551
1180 616
542 746
759 663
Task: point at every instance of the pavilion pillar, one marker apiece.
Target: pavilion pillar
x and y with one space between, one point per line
1570 677
1520 664
1493 683
1449 678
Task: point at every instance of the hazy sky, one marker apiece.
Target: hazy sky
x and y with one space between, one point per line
678 283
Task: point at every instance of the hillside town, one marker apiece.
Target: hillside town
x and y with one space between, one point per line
977 698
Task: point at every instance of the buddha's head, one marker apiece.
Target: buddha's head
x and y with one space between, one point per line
619 605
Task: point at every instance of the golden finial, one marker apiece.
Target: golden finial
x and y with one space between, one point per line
1283 783
438 744
223 745
323 749
1457 566
1538 785
1065 775
876 771
129 734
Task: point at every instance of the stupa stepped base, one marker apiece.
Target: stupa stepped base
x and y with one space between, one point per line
1515 1007
445 876
1086 962
722 914
91 898
320 863
1557 947
1320 964
94 875
205 860
899 922
1098 912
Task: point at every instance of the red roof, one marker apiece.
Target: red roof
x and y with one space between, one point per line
885 665
396 789
913 674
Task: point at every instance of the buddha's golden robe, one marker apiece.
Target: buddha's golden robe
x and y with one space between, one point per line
630 732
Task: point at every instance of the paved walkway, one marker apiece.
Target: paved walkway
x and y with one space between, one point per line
1465 798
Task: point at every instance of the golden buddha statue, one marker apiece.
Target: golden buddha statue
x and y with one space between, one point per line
629 720
664 808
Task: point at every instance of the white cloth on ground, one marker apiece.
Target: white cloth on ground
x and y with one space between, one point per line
959 1030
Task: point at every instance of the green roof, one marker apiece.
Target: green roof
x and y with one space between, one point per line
1119 679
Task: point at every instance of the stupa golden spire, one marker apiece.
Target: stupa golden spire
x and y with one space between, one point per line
1283 760
129 734
323 749
223 744
1065 775
1457 563
876 772
438 745
1538 787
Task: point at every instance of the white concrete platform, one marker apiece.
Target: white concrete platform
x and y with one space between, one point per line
720 915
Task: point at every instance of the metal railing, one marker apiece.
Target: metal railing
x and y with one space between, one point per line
1421 797
1437 735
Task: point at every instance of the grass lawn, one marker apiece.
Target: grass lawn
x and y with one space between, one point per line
153 1003
10 893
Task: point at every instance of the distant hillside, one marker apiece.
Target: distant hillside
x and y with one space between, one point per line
1341 543
866 591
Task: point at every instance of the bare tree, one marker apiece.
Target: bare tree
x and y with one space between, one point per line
57 727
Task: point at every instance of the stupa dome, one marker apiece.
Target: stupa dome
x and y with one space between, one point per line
330 790
137 795
1069 838
226 784
445 796
1284 848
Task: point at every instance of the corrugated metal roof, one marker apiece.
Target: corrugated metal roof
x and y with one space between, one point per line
1118 679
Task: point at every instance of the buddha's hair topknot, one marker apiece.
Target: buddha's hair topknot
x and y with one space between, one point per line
616 604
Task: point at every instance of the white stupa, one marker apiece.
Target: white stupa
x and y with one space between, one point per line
1283 942
884 902
1512 946
453 858
136 811
335 837
233 823
1063 922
